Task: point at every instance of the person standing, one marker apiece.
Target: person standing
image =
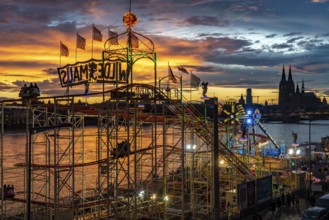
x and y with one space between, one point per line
282 198
293 199
297 201
273 206
288 199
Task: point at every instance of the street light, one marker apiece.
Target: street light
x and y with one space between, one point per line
36 130
309 150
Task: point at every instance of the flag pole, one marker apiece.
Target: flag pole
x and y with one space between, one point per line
130 6
190 85
92 42
168 78
60 54
76 48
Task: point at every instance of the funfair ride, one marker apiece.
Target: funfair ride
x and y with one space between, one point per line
154 154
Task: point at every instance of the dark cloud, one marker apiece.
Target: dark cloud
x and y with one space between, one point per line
292 34
202 46
6 86
249 59
271 35
206 21
323 35
229 45
243 78
205 68
292 40
281 46
18 75
50 71
66 27
26 64
310 44
210 35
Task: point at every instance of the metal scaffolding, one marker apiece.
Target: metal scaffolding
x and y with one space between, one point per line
149 154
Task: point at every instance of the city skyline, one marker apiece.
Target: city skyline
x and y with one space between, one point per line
232 45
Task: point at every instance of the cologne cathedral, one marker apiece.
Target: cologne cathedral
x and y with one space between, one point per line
293 98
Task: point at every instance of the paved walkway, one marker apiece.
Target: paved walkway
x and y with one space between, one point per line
285 212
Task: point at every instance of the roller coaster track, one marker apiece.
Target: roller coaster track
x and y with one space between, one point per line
194 120
183 111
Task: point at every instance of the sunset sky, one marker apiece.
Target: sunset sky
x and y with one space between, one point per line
232 44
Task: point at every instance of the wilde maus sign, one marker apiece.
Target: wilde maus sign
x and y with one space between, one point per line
93 71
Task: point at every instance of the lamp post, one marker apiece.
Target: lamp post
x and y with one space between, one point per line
294 154
309 151
191 149
35 130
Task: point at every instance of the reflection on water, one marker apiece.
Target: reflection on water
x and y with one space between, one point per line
15 142
15 145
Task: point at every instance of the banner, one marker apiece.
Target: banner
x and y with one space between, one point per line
97 34
81 42
93 71
64 50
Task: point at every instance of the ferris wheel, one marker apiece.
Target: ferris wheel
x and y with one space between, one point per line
232 112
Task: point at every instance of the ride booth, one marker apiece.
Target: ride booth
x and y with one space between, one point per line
254 195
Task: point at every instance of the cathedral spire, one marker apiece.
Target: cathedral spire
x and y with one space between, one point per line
297 89
283 77
303 88
289 76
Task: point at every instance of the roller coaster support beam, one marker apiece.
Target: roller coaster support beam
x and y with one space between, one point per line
35 130
216 162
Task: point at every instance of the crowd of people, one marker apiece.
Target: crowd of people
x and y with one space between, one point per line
29 92
289 199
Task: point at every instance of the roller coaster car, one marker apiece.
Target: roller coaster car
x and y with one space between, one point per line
29 92
9 192
122 149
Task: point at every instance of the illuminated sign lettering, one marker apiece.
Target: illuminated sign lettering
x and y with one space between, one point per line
93 71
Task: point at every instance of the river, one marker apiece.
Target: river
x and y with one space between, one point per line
279 131
15 145
305 131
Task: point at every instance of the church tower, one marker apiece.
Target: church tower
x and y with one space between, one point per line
290 86
297 90
303 88
282 87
